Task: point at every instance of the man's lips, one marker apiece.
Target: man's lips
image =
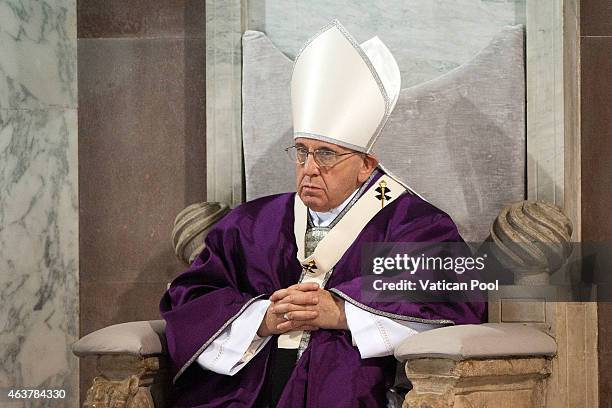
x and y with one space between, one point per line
311 188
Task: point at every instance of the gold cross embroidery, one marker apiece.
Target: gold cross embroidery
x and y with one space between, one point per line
311 266
383 190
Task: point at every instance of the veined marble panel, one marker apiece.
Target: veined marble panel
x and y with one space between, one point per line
38 251
428 38
37 54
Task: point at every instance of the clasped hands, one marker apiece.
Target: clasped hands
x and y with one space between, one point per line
304 306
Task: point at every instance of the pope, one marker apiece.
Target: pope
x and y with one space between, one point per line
272 312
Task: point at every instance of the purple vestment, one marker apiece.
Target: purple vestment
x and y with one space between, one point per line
251 253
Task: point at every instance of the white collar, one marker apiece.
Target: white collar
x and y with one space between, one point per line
323 219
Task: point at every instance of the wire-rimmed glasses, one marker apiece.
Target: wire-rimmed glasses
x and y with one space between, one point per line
323 157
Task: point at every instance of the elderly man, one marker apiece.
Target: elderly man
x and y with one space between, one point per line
272 313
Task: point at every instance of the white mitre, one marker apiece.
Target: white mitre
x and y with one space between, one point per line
343 92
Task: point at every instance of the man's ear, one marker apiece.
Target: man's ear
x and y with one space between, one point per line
369 164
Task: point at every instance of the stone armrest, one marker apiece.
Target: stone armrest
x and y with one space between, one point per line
478 341
130 363
140 339
487 365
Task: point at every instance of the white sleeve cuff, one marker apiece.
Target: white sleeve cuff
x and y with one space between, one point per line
377 336
238 343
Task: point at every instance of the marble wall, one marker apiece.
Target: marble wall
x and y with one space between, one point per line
38 199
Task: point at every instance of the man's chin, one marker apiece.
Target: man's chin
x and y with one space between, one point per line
312 202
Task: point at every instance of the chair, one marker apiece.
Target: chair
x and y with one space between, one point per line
458 140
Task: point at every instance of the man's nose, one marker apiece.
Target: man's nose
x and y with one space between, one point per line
310 166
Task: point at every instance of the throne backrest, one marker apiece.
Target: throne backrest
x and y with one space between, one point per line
458 140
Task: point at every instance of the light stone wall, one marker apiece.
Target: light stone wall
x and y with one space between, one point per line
545 101
224 173
427 38
38 199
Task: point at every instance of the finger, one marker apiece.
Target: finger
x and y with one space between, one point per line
300 298
305 286
284 327
279 294
302 287
288 325
283 295
280 308
301 315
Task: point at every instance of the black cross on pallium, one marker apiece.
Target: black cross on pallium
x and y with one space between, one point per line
379 190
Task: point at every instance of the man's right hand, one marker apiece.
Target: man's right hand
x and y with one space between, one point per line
271 320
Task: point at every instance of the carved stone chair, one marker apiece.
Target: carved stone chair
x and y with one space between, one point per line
458 140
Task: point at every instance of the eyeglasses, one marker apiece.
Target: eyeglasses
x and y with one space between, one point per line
323 157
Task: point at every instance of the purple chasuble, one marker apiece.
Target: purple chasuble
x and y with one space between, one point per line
251 253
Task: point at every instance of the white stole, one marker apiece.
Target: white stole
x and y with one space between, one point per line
331 248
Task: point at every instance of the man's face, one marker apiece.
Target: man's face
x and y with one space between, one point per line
325 188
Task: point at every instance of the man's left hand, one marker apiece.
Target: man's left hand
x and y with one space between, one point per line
291 304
